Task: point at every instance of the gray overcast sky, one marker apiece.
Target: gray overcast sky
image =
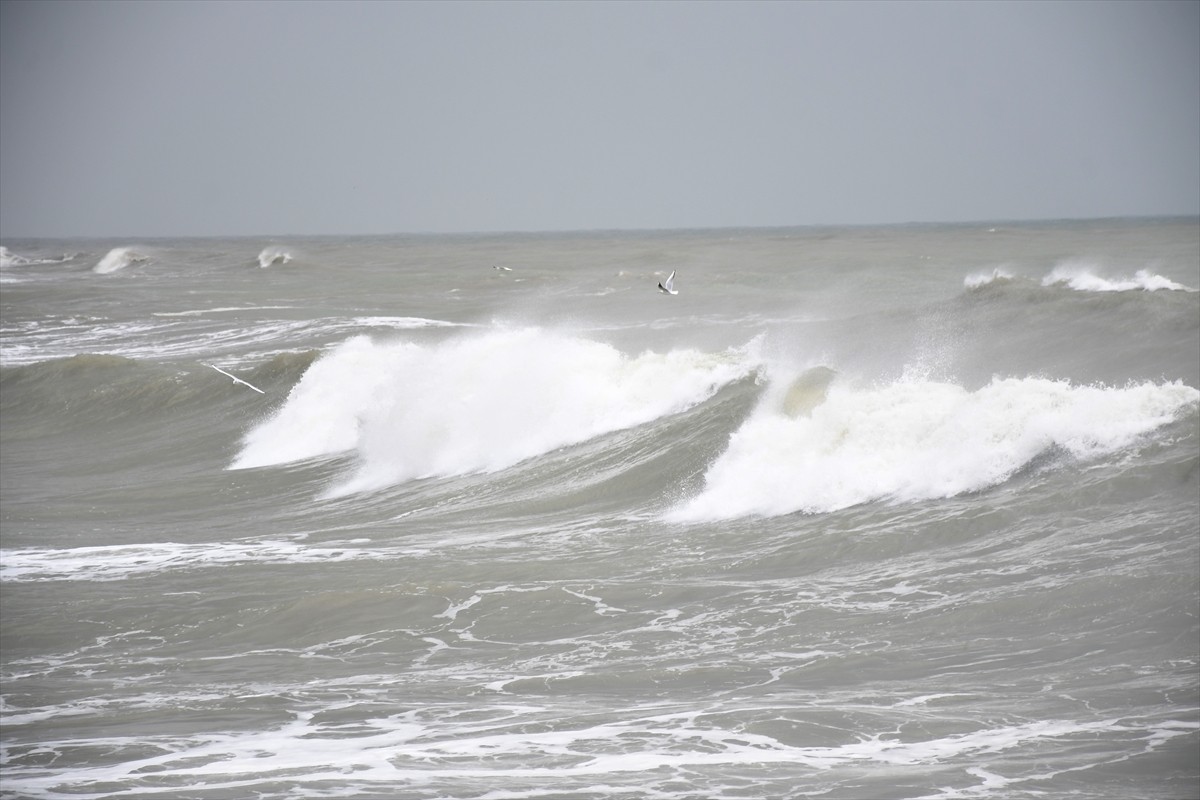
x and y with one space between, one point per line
208 118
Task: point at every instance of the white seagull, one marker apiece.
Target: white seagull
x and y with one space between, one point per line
236 379
668 286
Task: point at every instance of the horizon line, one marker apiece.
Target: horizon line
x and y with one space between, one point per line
586 231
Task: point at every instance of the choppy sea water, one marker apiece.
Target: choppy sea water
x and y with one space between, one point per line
905 512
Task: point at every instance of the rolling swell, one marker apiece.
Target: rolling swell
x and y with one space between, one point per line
1016 327
91 389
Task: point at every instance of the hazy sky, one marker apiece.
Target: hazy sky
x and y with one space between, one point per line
206 118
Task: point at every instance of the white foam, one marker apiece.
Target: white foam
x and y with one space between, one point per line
475 404
11 259
980 279
920 439
118 258
1082 277
118 562
273 255
404 323
168 336
198 312
512 747
926 698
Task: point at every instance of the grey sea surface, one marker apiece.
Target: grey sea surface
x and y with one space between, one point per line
895 512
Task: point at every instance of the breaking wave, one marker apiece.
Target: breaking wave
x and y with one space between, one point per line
11 259
117 259
273 255
1081 276
475 404
918 440
997 275
485 402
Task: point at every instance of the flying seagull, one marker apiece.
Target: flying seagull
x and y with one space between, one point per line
668 286
236 379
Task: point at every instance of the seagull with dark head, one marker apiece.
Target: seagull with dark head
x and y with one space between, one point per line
668 286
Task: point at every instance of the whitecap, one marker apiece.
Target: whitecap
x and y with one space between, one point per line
118 258
11 259
918 440
478 403
1083 277
981 279
273 255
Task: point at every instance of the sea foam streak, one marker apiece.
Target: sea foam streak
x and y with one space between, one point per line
412 747
475 404
917 440
120 562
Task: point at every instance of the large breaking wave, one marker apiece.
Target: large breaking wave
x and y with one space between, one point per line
478 403
918 439
484 402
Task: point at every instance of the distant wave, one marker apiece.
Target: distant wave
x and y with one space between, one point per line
273 255
11 259
1079 277
997 275
118 258
920 440
475 404
1083 278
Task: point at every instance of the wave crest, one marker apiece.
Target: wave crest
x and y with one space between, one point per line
475 404
11 259
118 258
273 255
981 279
1083 278
918 440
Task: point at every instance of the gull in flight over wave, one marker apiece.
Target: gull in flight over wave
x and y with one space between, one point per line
237 379
668 286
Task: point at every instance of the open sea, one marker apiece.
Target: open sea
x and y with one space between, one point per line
858 513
